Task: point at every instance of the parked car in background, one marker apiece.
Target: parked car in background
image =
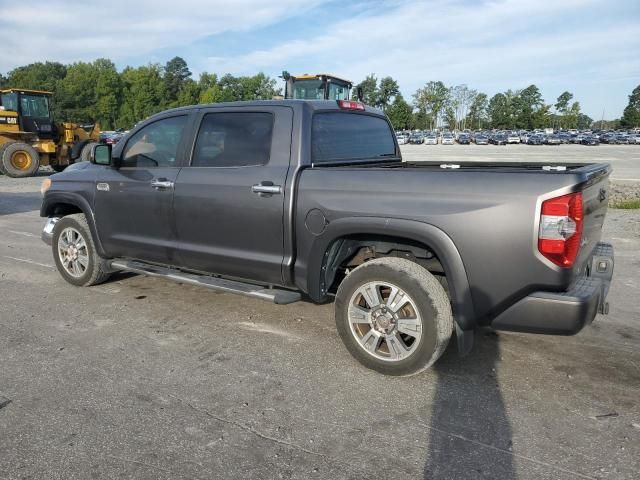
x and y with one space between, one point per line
622 139
634 139
564 137
513 137
416 138
609 138
535 140
498 139
464 139
590 140
482 139
431 139
447 139
402 138
552 139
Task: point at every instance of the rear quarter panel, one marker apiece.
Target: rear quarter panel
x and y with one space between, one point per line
491 217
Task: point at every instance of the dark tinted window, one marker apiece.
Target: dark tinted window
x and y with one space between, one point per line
155 145
348 136
233 139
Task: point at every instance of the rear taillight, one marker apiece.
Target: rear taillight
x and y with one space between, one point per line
561 229
350 105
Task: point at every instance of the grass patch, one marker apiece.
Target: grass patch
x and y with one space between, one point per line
626 204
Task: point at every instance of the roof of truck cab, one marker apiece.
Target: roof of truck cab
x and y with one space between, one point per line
313 104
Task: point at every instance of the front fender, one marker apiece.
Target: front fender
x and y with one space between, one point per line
429 235
56 200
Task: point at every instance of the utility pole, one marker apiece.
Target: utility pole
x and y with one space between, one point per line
602 120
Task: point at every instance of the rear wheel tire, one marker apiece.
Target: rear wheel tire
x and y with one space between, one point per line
85 153
74 252
19 160
393 316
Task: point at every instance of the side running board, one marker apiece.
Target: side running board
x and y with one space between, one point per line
278 296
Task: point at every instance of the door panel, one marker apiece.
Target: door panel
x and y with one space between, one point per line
135 219
134 203
222 225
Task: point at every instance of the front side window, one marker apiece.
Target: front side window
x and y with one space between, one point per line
34 106
155 145
233 139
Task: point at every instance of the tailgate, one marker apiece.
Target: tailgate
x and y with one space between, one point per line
595 197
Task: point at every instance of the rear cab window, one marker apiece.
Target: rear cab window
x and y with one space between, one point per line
343 136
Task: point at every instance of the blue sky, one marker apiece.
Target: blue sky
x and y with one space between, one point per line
589 47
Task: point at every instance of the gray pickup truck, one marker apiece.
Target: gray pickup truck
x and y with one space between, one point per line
285 200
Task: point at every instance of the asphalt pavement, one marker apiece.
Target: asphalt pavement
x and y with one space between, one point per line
144 378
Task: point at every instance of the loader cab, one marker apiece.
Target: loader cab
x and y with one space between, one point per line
32 107
316 87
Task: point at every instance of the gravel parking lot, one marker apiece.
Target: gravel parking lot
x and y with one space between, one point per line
143 378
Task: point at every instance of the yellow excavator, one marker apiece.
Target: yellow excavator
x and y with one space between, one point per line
29 137
317 86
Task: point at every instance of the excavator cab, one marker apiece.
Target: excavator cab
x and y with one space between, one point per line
320 86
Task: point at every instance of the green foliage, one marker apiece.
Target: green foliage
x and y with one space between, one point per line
388 89
477 117
369 88
400 113
96 91
631 114
584 121
430 101
626 204
176 73
37 76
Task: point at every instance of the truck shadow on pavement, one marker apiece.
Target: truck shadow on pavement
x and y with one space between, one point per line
14 202
469 433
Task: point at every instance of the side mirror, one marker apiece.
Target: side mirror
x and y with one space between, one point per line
101 154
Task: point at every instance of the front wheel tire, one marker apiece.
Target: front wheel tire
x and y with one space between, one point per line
393 316
74 252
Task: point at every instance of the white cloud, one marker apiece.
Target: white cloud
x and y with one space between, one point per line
68 31
491 45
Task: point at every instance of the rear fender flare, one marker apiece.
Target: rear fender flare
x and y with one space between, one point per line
429 235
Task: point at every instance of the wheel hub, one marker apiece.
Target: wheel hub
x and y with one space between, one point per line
383 320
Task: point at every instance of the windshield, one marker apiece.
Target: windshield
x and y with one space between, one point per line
308 89
340 136
10 101
34 106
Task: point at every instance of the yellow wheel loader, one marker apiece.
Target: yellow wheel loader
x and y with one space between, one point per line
30 138
318 86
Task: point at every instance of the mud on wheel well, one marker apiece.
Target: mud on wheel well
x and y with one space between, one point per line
347 253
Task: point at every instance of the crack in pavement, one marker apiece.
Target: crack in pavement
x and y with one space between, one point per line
502 450
249 429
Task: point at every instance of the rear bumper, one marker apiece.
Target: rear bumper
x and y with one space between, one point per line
564 313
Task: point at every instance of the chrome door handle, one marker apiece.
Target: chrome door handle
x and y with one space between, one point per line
161 184
268 189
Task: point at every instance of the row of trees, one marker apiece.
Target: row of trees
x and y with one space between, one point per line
461 107
97 91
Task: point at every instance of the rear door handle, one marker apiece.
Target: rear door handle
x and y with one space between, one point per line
265 189
161 184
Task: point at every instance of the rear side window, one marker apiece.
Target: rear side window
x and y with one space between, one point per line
348 136
233 139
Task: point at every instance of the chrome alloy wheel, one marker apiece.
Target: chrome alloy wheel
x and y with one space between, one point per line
385 321
73 252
